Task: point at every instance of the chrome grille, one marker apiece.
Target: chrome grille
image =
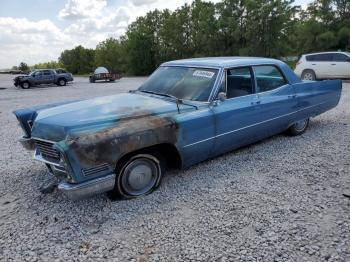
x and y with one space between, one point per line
101 169
47 151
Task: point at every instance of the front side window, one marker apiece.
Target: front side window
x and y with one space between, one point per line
268 78
182 82
47 72
37 73
239 82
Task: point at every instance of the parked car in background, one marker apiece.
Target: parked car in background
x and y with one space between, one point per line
186 112
326 65
102 74
59 77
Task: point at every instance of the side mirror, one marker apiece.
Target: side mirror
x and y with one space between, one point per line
222 96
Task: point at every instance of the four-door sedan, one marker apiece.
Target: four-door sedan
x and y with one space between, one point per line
186 112
326 65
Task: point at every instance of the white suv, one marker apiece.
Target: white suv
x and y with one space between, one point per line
324 66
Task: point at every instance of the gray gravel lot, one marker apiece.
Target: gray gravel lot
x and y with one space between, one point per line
278 200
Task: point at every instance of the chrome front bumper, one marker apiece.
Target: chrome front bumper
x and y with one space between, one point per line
71 190
89 188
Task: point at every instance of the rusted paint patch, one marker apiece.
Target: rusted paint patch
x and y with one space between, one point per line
128 135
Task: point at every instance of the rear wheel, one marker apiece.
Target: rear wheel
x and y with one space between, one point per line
308 75
299 127
138 176
25 85
62 82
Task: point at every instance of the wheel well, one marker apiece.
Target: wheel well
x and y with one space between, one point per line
307 69
168 151
25 81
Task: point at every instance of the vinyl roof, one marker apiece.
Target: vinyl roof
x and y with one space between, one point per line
221 61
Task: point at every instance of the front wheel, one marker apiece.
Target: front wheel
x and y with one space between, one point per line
138 176
62 82
299 127
25 85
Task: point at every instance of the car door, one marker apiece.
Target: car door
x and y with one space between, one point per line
278 100
340 65
236 116
38 77
321 64
48 76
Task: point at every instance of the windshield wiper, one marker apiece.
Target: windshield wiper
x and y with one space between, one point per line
160 94
178 100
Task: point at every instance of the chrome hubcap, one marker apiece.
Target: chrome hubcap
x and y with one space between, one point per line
62 82
308 76
300 125
25 85
140 176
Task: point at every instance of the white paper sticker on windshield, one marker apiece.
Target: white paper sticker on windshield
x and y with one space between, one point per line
201 73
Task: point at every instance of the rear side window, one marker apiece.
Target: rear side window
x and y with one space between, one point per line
239 82
337 57
47 72
268 78
320 58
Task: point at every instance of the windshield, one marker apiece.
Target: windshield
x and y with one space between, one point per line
182 82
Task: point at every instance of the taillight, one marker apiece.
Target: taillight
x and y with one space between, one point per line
298 63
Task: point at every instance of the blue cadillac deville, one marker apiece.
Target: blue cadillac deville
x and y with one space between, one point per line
186 112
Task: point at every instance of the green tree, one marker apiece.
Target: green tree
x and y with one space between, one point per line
271 28
344 38
78 60
109 53
23 67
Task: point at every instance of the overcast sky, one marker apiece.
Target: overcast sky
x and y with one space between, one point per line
38 30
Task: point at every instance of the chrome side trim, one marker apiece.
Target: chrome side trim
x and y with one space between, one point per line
259 123
89 188
44 140
96 170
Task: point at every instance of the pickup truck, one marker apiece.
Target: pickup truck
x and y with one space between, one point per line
48 76
186 112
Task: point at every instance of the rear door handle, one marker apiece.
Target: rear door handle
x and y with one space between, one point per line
292 96
255 103
333 64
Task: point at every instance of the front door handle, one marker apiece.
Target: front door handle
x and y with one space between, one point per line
292 96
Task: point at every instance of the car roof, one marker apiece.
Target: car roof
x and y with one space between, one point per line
330 52
220 62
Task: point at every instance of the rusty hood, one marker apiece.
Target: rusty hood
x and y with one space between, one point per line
104 112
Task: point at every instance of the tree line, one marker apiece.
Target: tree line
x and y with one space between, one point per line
267 28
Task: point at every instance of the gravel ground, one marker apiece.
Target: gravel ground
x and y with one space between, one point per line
278 200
